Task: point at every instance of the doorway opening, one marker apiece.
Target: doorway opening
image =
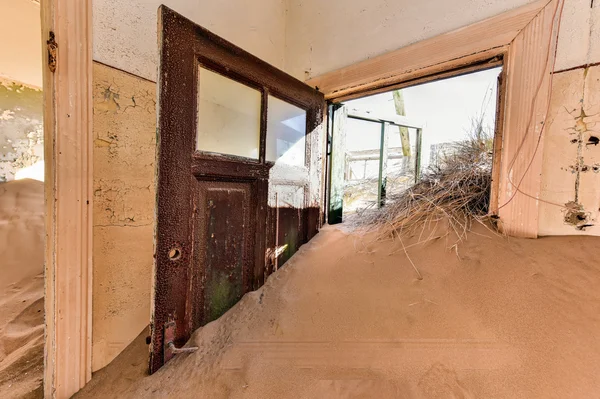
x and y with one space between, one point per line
382 145
22 233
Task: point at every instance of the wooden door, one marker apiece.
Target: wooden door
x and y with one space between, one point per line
239 155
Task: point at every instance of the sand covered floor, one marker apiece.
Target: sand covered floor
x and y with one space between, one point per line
21 289
347 318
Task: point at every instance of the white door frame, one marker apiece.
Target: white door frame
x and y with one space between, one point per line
67 72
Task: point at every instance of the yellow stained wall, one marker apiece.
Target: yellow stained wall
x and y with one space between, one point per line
570 193
124 155
21 44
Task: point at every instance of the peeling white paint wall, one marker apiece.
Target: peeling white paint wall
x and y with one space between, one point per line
579 41
21 44
21 130
322 36
570 192
124 197
125 32
21 108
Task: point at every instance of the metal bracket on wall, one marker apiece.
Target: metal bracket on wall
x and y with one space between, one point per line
169 348
52 52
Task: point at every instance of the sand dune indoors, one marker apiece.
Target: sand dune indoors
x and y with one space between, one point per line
21 288
347 318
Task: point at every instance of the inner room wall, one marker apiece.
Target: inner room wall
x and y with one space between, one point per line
124 74
322 36
126 31
21 130
570 192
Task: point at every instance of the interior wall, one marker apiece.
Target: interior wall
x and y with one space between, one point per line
21 44
322 36
570 192
124 195
579 41
21 131
125 32
571 167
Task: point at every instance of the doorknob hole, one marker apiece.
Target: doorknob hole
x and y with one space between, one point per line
174 254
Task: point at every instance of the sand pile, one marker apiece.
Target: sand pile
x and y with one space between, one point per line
347 318
21 288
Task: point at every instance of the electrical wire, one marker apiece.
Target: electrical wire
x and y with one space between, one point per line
560 4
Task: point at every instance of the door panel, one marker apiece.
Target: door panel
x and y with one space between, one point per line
337 164
224 232
216 227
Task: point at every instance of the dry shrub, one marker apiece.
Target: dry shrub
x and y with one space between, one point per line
456 192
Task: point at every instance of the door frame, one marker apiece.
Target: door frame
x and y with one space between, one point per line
525 40
336 155
67 75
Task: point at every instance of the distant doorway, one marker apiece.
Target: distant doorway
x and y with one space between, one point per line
380 145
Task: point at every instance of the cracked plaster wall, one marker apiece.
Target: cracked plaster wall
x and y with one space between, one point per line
570 191
21 100
128 29
124 156
21 129
322 36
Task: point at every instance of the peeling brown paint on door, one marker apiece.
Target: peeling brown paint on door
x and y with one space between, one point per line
216 231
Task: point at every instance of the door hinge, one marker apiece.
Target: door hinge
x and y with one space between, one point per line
169 348
52 51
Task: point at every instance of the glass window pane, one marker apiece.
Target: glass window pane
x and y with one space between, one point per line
286 131
228 116
361 173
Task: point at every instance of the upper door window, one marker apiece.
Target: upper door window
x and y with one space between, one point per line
286 132
228 116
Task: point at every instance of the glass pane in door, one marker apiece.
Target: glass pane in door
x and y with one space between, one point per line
228 116
286 131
